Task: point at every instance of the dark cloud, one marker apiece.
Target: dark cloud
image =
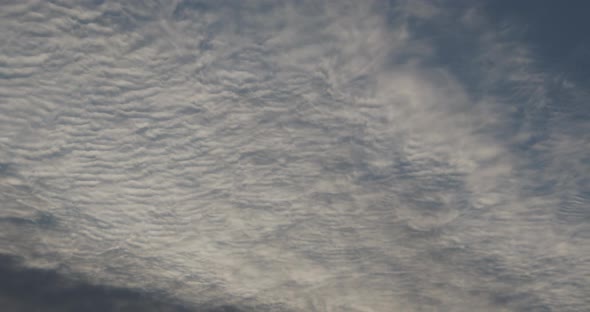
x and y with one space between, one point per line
25 289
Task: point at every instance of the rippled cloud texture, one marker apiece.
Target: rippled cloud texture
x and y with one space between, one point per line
287 156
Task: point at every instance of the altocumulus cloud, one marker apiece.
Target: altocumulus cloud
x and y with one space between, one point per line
287 156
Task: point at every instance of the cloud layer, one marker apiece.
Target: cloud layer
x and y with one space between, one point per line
304 156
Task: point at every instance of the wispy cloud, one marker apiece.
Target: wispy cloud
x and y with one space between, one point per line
308 155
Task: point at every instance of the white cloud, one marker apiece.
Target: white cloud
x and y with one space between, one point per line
305 154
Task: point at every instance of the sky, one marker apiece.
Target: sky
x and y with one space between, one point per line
232 156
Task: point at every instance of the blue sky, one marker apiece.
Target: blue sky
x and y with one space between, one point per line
294 156
554 31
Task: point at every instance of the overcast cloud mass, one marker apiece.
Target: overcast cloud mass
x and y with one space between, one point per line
294 156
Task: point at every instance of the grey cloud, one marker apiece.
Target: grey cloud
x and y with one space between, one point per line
307 156
28 289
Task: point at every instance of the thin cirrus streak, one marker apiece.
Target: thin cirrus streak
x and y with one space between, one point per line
290 156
